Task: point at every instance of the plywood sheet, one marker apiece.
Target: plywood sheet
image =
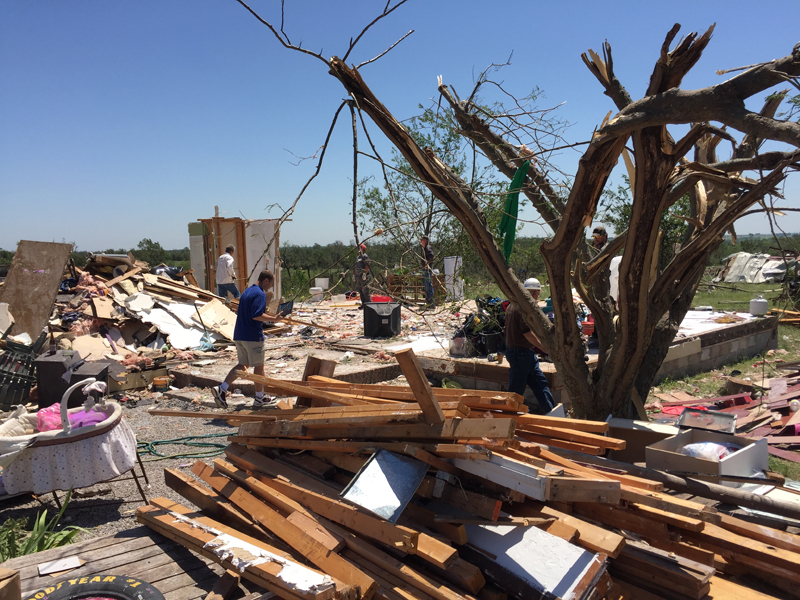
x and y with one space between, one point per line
32 284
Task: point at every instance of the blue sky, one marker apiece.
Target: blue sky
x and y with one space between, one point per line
129 119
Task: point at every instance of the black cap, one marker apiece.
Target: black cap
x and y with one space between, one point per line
599 230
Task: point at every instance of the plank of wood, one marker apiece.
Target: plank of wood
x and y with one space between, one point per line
724 588
428 548
210 502
464 574
391 586
669 503
124 276
573 435
428 458
420 386
105 558
654 568
312 412
716 536
777 440
331 541
679 521
315 366
225 586
563 423
258 485
479 399
314 551
768 535
540 439
622 519
531 484
265 574
492 592
702 489
402 538
465 451
449 429
286 388
705 557
573 489
426 517
309 464
347 447
593 472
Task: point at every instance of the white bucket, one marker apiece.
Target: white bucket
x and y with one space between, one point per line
759 306
316 294
339 299
321 282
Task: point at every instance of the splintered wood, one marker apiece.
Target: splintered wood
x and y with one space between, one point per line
504 508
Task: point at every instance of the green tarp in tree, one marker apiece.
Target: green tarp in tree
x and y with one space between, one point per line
508 224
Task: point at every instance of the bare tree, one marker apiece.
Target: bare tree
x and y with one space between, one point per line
634 335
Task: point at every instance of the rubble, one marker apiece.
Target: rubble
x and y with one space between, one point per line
509 505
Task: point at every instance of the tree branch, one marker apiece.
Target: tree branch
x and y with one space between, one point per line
284 42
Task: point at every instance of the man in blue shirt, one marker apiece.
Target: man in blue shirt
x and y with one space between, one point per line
248 336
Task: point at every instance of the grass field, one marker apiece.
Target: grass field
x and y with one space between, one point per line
736 297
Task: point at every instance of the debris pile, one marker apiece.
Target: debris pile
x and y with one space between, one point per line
116 307
774 416
391 492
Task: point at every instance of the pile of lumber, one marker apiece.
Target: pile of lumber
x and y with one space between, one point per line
786 317
510 505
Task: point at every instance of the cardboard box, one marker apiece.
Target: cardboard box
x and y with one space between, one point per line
638 435
753 456
10 585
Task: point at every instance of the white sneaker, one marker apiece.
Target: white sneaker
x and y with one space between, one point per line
219 396
265 402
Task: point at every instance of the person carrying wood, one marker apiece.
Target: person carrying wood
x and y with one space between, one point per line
226 276
248 336
520 343
363 274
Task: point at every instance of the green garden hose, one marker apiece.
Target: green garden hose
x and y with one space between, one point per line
214 449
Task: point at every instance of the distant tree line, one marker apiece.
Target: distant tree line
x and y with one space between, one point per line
302 264
147 250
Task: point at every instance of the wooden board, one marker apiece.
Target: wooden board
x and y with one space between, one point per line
32 284
139 552
267 574
423 392
307 545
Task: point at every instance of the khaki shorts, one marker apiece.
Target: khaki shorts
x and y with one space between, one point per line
250 353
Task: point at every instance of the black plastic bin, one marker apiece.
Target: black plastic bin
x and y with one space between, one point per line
381 319
491 342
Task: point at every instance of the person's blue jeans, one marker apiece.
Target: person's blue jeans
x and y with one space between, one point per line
223 288
428 283
525 372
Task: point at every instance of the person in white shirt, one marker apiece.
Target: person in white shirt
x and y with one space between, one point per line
226 276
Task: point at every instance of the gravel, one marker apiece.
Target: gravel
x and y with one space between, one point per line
107 508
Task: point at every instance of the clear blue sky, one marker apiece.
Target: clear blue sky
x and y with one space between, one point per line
129 119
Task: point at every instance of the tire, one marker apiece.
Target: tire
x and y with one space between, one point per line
114 587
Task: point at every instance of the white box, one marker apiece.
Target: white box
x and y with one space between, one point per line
321 282
753 457
316 294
